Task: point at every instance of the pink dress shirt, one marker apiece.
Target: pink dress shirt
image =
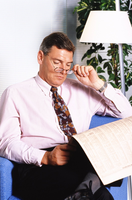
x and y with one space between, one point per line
28 122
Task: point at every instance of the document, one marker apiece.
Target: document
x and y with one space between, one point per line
109 149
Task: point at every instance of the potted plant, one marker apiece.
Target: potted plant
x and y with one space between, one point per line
110 65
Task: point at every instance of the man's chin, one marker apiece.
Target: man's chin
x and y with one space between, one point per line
57 83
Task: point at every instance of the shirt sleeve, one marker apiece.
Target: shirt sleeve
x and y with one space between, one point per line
11 146
117 104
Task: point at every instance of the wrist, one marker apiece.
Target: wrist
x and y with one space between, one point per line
99 84
102 89
45 158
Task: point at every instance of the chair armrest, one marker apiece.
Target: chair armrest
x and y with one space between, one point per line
6 167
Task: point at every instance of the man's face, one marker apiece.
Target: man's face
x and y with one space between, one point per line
56 57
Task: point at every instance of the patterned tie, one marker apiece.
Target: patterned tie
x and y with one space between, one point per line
63 114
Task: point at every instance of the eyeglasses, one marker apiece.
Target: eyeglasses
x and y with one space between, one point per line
57 66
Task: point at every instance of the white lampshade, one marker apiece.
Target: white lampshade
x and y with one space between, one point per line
107 27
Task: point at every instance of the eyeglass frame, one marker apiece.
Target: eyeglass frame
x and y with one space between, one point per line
68 71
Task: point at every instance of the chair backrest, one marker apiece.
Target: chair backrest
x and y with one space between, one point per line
100 120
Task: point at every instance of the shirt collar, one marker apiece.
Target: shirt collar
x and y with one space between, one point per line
45 87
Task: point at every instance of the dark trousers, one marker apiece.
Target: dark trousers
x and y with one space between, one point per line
53 182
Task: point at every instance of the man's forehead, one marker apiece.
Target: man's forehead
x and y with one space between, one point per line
61 54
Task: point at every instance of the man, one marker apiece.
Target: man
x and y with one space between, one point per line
47 165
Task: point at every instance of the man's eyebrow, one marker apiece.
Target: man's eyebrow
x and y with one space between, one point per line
62 60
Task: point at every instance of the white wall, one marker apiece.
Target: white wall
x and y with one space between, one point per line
23 25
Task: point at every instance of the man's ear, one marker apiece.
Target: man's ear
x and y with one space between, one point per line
40 57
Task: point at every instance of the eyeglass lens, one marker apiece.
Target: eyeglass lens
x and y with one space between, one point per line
59 69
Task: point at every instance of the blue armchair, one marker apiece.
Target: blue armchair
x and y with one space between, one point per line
6 166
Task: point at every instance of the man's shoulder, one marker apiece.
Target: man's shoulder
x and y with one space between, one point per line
20 86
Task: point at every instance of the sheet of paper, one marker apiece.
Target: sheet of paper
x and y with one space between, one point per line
109 149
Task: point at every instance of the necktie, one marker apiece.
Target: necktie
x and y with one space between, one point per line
62 113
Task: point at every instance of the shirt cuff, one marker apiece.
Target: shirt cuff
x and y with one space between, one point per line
114 95
37 156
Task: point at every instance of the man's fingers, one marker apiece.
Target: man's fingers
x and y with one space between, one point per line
60 155
82 70
67 147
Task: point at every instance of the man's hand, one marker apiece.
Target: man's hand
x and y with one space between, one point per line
60 155
88 76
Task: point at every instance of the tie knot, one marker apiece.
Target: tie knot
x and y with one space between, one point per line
53 89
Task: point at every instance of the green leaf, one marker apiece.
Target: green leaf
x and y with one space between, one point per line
84 4
130 100
111 77
113 84
109 70
102 77
126 88
81 9
100 58
99 70
106 64
93 61
128 75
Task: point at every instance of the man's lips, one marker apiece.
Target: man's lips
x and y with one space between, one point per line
60 77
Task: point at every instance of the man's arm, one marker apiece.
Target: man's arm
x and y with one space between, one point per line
115 103
88 76
11 146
